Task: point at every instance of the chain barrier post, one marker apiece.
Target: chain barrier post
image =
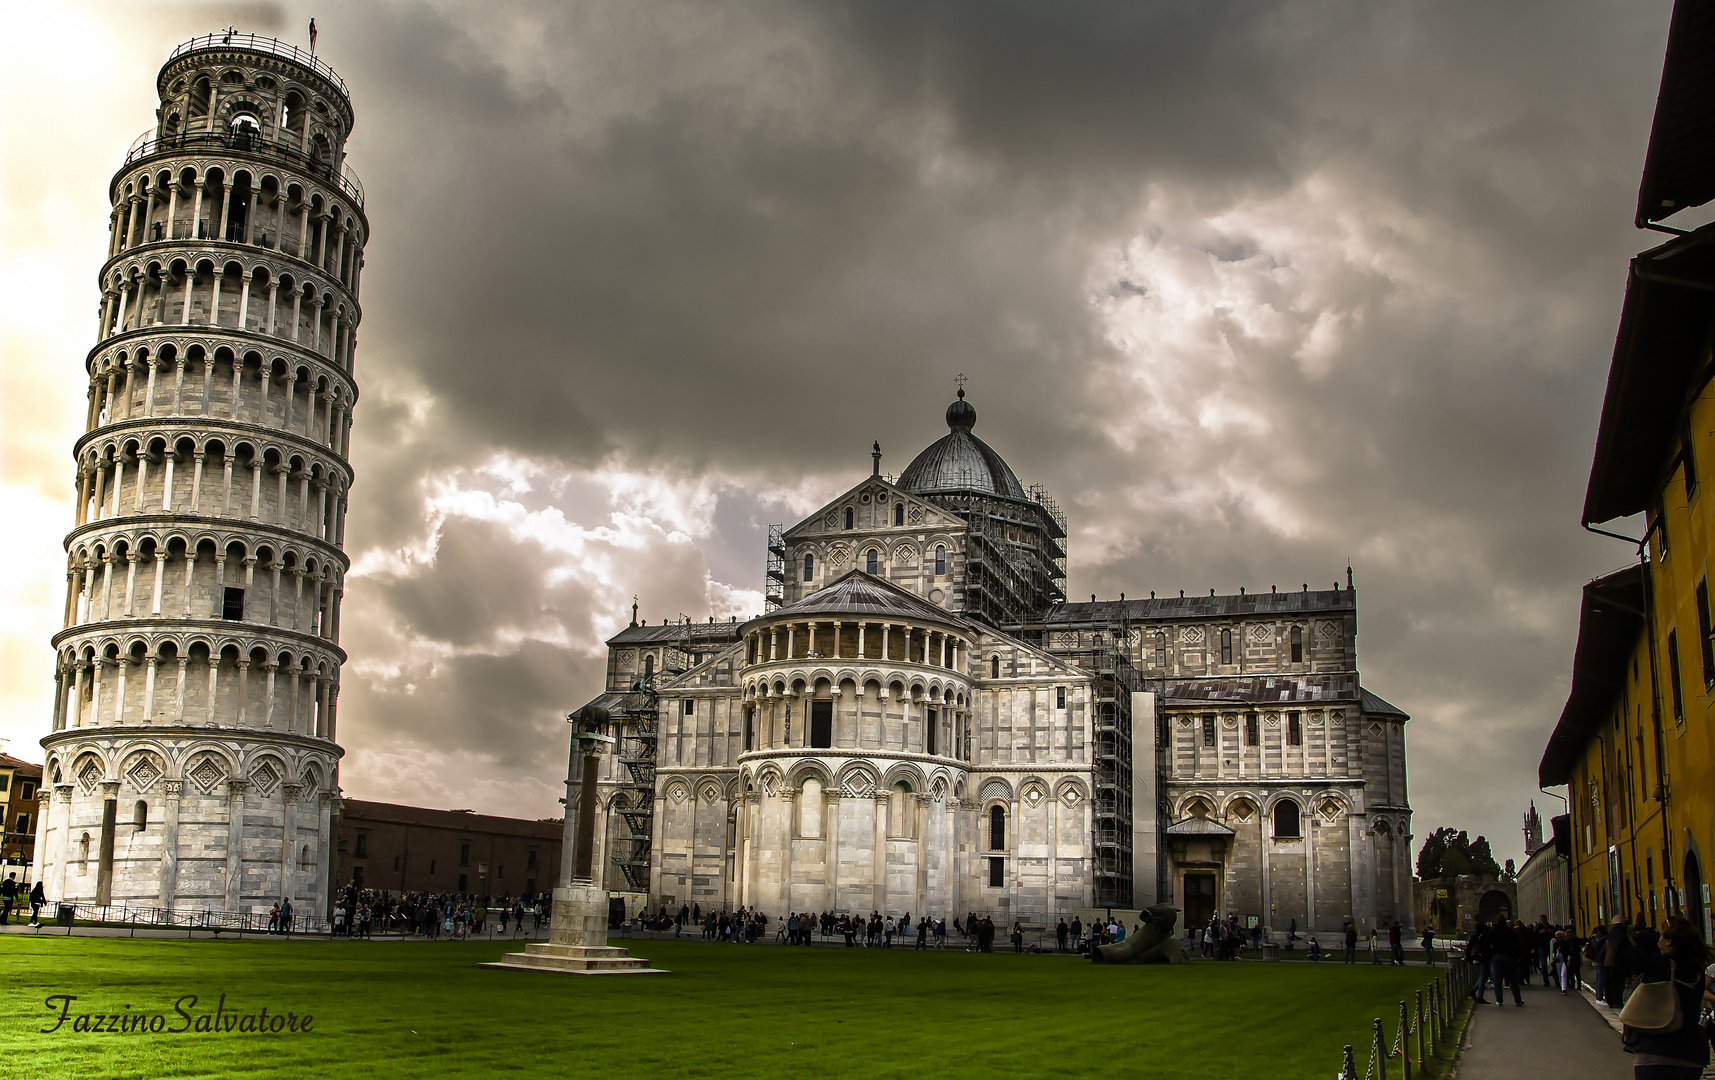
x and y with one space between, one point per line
1380 1051
1400 1044
1435 1015
1420 1057
1348 1067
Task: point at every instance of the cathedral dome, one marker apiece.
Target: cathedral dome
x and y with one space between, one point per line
960 461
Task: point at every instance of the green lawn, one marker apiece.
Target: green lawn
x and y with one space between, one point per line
425 1009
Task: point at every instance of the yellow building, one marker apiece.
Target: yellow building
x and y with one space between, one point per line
1636 741
20 785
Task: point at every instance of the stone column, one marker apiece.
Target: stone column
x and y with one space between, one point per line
235 842
787 822
752 833
289 840
62 798
831 833
109 825
880 849
322 895
1309 831
919 803
169 870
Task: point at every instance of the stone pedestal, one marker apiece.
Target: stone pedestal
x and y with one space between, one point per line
577 940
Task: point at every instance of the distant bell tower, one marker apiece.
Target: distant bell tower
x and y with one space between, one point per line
193 761
1532 830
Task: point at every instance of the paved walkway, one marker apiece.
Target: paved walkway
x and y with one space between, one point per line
1554 1037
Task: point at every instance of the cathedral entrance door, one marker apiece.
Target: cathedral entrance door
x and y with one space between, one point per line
1199 899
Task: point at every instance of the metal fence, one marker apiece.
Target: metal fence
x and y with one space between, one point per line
270 45
1426 1026
68 914
248 142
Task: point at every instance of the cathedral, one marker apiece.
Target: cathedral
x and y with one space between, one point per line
923 723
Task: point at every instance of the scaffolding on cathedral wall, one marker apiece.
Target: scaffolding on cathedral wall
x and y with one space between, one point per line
639 738
635 777
1102 649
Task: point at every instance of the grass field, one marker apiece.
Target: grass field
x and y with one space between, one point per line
425 1009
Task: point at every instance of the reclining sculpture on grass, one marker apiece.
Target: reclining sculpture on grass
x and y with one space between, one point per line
1154 943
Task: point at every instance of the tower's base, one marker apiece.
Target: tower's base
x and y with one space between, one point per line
577 940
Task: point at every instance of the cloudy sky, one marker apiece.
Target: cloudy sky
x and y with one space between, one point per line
1254 289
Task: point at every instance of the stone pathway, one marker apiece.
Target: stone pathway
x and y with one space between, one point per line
1554 1037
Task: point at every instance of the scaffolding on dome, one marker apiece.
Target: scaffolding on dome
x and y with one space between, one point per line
774 581
1015 561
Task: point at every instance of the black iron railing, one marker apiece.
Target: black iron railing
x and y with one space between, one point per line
248 142
256 43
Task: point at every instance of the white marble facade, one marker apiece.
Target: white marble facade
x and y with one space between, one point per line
870 745
192 761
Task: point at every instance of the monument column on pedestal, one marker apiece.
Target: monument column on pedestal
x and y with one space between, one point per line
577 930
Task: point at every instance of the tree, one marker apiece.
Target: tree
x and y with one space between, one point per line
1449 853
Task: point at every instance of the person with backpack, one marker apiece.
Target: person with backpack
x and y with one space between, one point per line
1660 1021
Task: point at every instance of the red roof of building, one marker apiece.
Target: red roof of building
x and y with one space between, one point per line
457 820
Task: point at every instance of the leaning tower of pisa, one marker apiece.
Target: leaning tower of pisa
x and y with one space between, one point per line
193 759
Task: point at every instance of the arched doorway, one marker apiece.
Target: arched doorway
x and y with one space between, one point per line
1694 906
1199 899
1494 905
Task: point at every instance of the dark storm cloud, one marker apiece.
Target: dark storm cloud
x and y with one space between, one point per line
1255 288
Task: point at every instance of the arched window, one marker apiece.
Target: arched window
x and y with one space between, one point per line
870 561
997 828
1226 646
648 665
1297 645
940 559
901 812
140 815
1286 820
809 566
83 854
899 513
201 91
994 666
848 517
1161 650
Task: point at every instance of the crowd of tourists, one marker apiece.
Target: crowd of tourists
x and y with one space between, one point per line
1674 961
359 913
974 933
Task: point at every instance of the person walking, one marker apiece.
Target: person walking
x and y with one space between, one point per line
1614 949
1375 947
1060 933
1396 942
1017 937
1477 953
8 897
1505 950
1429 946
1351 942
37 899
